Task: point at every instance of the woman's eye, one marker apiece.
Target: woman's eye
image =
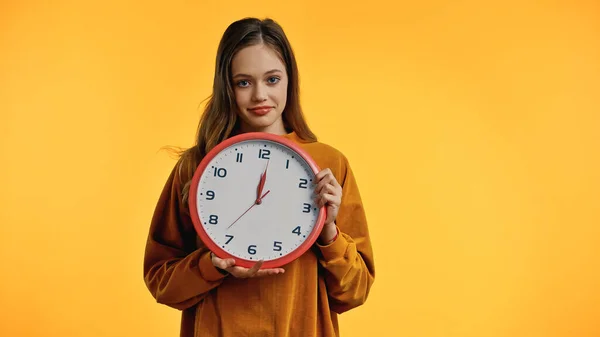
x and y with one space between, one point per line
273 79
242 83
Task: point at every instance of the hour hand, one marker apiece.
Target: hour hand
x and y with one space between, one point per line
261 185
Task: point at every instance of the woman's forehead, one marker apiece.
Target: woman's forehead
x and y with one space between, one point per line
257 60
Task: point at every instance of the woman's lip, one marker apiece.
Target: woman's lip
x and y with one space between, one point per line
261 110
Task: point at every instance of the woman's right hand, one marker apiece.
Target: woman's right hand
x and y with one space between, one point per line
240 272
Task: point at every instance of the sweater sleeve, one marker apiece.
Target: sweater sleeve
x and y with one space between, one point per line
177 272
348 261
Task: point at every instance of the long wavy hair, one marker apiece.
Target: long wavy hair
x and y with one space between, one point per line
219 120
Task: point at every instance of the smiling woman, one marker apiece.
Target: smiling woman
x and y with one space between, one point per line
260 88
256 90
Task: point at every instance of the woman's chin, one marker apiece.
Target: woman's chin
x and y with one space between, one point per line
260 124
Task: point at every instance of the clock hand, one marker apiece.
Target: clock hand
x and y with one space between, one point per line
261 184
253 204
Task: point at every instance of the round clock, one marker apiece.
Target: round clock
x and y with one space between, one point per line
252 198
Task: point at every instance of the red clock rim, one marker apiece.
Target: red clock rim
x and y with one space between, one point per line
275 263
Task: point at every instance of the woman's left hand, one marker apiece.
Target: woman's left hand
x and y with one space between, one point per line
329 194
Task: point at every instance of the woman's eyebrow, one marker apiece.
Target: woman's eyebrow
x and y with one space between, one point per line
267 73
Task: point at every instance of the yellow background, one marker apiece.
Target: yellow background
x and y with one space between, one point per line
471 126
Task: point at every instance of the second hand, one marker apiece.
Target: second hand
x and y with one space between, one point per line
254 204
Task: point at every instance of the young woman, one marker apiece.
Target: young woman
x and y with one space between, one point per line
256 89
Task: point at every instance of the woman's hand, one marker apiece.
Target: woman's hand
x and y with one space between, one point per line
329 194
229 266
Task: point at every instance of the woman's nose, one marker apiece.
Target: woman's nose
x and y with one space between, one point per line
259 94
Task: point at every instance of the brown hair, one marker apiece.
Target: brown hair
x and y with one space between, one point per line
219 120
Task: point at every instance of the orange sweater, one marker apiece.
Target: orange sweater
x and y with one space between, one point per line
303 301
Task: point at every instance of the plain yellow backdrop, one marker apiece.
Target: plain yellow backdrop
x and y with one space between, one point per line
471 126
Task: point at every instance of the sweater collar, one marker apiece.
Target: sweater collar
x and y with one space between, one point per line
294 137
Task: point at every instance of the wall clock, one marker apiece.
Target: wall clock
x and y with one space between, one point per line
252 198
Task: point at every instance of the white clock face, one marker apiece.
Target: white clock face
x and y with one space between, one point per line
227 194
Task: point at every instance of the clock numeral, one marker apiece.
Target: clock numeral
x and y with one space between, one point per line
303 183
220 172
296 230
287 164
252 249
230 238
277 246
210 195
306 208
213 219
239 157
263 153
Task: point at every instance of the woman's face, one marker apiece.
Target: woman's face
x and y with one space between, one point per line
260 82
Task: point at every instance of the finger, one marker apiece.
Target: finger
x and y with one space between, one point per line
241 272
230 263
219 263
327 189
265 272
330 191
320 185
328 179
222 263
335 182
255 268
329 199
321 174
326 174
